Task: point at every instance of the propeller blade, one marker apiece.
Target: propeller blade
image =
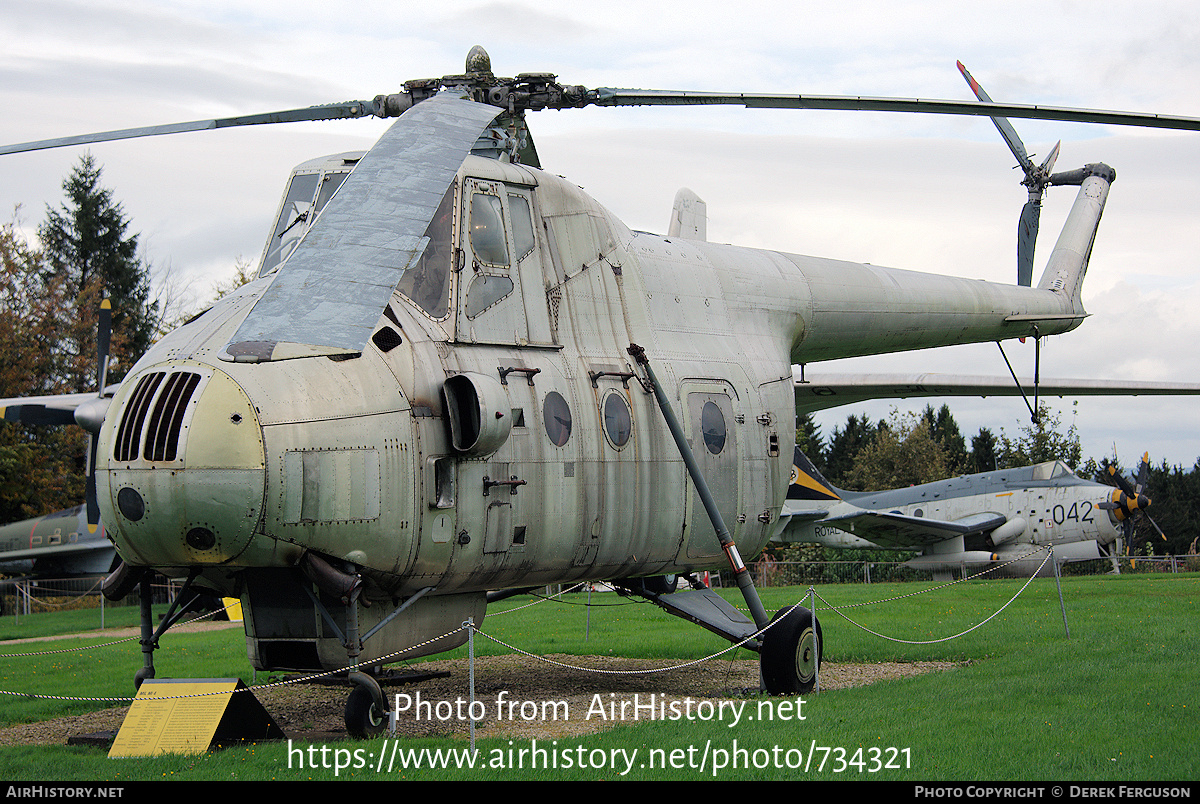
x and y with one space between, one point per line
1143 472
1122 482
1048 163
38 414
332 111
103 342
93 507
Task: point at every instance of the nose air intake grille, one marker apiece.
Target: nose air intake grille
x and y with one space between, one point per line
167 396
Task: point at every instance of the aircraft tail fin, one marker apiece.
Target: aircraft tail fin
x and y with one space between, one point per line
1068 262
808 482
689 216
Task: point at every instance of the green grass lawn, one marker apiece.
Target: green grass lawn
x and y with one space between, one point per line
1113 701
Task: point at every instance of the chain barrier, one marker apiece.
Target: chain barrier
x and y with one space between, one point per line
1049 555
395 656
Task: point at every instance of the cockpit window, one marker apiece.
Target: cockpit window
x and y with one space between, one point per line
488 240
427 282
522 222
330 183
484 291
293 220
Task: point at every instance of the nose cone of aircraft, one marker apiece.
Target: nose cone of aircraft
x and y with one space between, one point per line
180 468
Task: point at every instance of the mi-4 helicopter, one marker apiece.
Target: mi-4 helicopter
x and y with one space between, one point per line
467 376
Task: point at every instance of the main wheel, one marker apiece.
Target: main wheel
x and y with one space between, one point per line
660 584
364 717
791 652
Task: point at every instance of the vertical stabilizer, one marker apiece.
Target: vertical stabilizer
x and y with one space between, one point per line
689 216
1068 262
807 482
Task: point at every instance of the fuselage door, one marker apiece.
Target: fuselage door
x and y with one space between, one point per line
712 424
502 296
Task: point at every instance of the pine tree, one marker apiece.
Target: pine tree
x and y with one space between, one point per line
86 248
808 438
944 430
844 446
984 449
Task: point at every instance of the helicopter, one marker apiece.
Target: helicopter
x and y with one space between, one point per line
464 377
983 520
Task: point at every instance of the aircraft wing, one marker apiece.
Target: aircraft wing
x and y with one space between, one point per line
55 550
889 529
823 391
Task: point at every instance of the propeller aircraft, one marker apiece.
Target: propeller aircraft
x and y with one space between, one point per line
983 520
458 375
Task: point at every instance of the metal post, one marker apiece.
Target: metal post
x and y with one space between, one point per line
812 607
741 574
470 626
1058 581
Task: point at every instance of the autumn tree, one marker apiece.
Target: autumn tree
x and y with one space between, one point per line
41 468
1042 440
904 452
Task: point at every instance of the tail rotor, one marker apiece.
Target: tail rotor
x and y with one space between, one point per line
1037 178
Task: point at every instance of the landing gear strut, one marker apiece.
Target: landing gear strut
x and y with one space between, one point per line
790 650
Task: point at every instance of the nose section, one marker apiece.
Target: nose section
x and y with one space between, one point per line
181 467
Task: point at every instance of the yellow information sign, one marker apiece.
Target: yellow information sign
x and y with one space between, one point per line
185 716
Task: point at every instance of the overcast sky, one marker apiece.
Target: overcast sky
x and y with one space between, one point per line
928 193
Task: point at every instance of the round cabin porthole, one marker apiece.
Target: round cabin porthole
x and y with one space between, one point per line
712 425
556 416
618 420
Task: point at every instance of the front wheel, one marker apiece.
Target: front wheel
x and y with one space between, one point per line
364 717
791 650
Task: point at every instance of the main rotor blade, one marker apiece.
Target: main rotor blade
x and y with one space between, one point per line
651 97
332 111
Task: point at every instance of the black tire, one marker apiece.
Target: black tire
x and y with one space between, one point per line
364 718
660 584
791 652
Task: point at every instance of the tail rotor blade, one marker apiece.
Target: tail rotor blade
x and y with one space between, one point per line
1006 130
1027 232
1047 165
